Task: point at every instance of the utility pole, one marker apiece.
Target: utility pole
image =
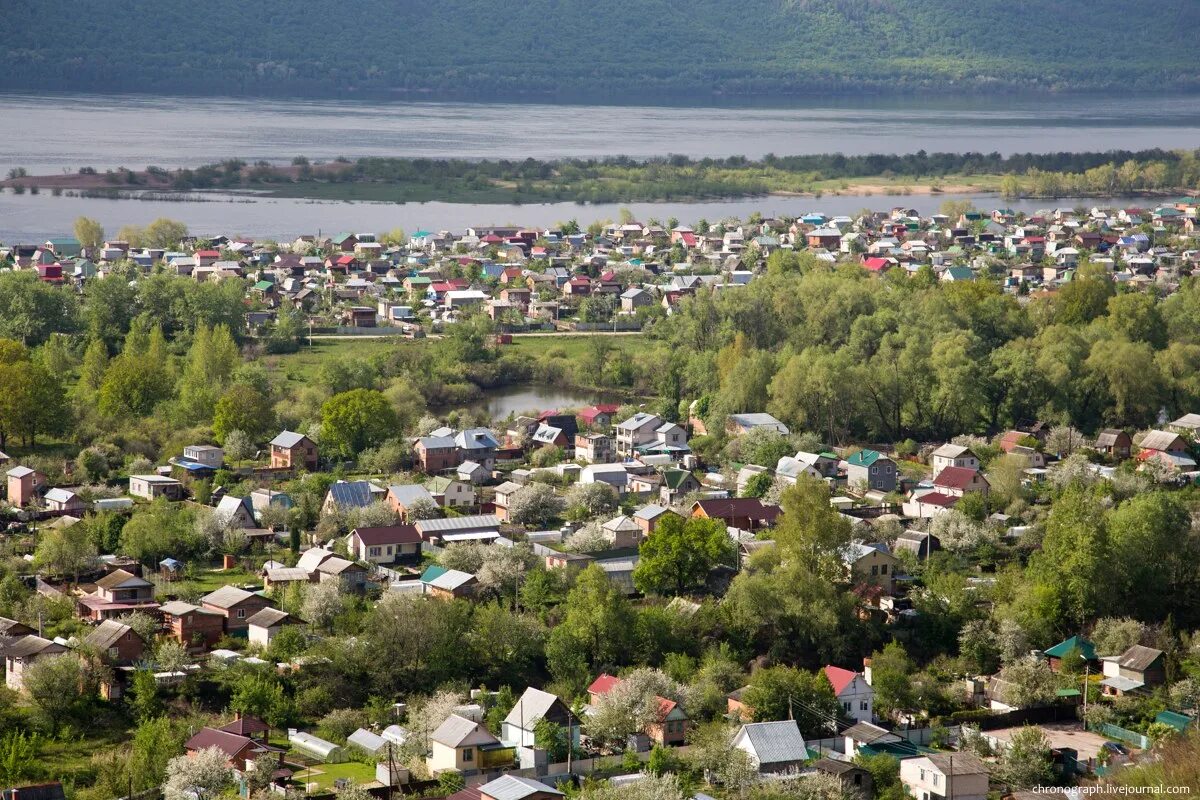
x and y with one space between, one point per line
1087 674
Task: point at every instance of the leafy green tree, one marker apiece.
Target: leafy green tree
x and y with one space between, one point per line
89 232
134 385
32 402
597 617
165 233
680 554
243 408
812 530
65 551
143 698
109 308
891 672
1026 761
355 420
31 310
787 693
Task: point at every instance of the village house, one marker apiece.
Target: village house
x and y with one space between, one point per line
349 576
871 564
438 453
450 492
24 485
959 481
266 625
198 629
290 450
953 455
739 424
448 584
744 513
773 747
531 708
385 544
872 470
1138 669
945 776
670 725
152 487
647 518
853 693
19 656
1114 443
235 605
116 594
459 744
403 499
594 448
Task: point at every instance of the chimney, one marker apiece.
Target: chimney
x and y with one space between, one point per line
867 670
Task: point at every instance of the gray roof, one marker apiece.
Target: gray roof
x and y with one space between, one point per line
226 597
1139 658
268 617
531 707
775 742
958 764
106 634
476 439
32 646
436 442
651 511
474 522
1159 440
511 787
452 579
409 494
1121 683
459 731
288 439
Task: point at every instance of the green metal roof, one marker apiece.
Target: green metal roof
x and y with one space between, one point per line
432 574
1085 648
864 458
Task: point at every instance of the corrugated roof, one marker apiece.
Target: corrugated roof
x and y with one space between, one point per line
475 522
511 787
775 742
459 731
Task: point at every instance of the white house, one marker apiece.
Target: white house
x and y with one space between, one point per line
772 746
953 455
854 694
945 776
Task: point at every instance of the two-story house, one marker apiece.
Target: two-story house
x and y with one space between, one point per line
291 450
116 594
871 470
198 629
854 694
953 455
638 430
945 776
236 605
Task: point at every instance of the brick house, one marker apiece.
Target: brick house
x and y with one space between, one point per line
290 450
236 605
436 453
197 629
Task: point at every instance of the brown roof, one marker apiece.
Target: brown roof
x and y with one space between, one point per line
388 534
958 764
33 646
750 507
118 577
106 634
228 743
244 726
956 477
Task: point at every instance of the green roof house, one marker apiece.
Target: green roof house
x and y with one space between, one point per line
871 470
1064 648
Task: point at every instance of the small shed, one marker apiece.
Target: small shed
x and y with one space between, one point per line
316 747
170 569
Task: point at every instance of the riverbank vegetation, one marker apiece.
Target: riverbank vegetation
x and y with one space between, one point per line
623 180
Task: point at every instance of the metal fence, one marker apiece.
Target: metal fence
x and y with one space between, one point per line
1121 734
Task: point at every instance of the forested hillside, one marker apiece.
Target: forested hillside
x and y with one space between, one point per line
620 49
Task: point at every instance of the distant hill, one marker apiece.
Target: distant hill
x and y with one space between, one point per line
611 49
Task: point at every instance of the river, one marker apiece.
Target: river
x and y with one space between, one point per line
53 133
50 133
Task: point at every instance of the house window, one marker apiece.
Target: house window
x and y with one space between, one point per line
241 613
863 705
389 550
846 706
935 779
883 569
874 570
469 754
922 774
374 551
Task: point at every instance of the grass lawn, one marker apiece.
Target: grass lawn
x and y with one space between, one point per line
574 345
328 773
209 580
301 367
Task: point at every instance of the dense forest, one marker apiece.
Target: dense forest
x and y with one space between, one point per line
618 50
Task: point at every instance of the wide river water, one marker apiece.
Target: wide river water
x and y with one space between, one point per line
52 133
